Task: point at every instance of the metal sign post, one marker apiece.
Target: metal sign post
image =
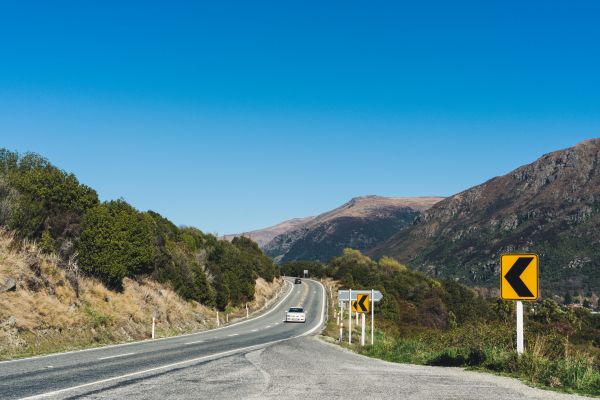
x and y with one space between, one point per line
362 329
520 344
350 320
372 317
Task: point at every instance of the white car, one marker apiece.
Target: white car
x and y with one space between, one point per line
295 314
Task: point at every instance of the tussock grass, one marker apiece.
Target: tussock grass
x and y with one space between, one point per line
44 314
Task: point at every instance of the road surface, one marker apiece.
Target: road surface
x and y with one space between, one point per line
262 358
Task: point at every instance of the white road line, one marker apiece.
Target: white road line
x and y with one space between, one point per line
254 330
117 356
197 341
159 339
233 334
162 367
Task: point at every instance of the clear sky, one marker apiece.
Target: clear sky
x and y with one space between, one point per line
232 116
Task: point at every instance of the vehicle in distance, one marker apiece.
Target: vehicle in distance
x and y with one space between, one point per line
295 314
297 281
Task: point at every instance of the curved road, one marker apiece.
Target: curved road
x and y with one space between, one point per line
64 374
261 358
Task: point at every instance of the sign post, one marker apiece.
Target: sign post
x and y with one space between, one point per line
372 318
362 329
350 319
519 280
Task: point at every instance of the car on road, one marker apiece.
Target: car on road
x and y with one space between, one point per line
297 281
295 314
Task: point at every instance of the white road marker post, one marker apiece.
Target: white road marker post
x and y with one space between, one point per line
520 345
247 311
153 326
356 318
226 317
341 325
218 321
350 318
362 329
372 317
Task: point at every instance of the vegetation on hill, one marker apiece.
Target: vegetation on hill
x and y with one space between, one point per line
112 240
442 322
42 312
550 207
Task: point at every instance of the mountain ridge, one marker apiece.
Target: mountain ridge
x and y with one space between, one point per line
550 206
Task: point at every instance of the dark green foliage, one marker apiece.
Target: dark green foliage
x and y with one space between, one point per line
113 240
36 199
116 241
315 269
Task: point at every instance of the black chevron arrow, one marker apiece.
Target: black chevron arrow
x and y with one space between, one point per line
513 276
361 303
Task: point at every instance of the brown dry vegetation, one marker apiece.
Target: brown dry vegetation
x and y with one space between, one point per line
45 313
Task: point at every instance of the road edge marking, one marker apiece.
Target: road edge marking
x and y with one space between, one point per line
112 346
191 361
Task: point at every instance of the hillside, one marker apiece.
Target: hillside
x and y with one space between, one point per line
551 206
361 223
43 309
264 236
112 241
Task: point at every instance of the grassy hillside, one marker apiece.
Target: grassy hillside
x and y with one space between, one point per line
111 241
41 312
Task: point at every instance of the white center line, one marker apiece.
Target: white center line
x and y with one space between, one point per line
197 341
118 355
233 334
254 330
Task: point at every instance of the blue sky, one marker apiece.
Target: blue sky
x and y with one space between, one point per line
231 116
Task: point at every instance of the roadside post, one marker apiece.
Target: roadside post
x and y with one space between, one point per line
218 322
362 329
350 318
155 315
341 325
372 318
247 311
519 280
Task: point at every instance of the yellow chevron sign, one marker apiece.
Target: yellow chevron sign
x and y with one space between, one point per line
361 304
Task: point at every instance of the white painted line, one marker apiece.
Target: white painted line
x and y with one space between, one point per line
162 367
233 334
117 356
197 341
159 339
254 330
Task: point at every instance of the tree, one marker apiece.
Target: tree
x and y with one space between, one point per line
116 241
568 298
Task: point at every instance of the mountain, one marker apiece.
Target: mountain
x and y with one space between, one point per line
551 206
361 223
264 236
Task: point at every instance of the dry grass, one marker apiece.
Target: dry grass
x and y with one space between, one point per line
44 313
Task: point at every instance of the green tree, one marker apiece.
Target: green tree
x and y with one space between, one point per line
117 241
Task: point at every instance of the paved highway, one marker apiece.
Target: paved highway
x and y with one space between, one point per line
61 375
262 358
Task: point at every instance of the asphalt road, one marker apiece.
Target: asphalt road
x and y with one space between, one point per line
261 358
60 375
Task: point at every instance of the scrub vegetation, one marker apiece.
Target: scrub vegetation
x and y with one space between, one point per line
111 241
422 320
77 272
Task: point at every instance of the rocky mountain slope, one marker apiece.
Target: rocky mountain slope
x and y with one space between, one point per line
551 206
264 236
361 223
